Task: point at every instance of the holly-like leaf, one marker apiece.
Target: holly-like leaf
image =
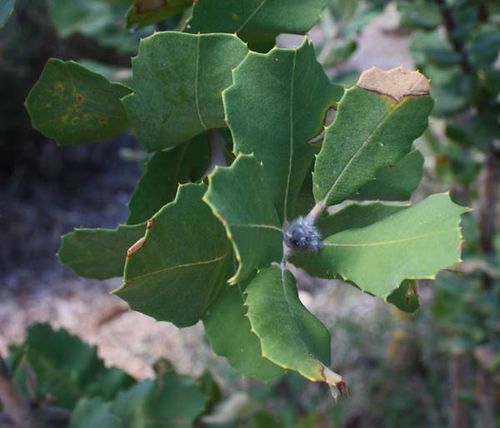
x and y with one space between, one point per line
98 253
163 173
376 123
415 243
92 413
6 9
277 103
169 401
395 183
240 198
74 105
290 336
181 264
256 21
177 81
147 12
356 216
405 297
229 333
67 369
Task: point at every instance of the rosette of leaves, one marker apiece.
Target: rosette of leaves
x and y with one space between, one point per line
219 248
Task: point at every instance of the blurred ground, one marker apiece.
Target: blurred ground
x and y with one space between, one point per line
90 188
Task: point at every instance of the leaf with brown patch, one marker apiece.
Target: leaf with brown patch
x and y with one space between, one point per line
74 105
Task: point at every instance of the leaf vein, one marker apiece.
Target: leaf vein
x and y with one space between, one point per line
357 154
180 266
259 226
290 158
391 242
196 77
251 16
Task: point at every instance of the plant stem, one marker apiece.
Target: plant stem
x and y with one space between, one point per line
314 215
217 150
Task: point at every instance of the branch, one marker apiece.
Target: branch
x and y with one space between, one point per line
488 197
451 28
14 404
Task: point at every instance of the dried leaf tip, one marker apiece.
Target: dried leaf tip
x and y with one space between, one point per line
396 83
338 386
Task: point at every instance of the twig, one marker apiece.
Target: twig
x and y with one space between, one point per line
474 265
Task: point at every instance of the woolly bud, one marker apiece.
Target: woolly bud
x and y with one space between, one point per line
302 235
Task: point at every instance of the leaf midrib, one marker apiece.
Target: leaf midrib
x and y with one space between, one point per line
391 242
358 152
296 324
196 78
179 266
291 140
251 16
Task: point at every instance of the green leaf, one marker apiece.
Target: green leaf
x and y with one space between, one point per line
67 369
92 413
255 21
451 89
356 216
85 16
485 45
419 14
374 128
415 243
340 52
211 389
6 9
229 333
99 253
405 297
143 13
434 49
97 19
178 80
240 198
396 182
264 419
182 263
276 105
164 171
169 401
73 105
290 336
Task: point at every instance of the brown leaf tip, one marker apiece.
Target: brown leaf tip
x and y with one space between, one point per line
396 83
343 389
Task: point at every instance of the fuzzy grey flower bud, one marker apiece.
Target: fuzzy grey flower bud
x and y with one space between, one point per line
302 235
